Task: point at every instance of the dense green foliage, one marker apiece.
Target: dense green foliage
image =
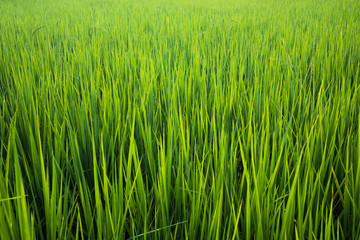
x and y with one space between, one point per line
180 119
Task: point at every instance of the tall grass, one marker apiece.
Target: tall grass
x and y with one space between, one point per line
180 119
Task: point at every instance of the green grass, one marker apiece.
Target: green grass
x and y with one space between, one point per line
180 119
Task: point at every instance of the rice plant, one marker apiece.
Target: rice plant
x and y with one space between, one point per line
172 119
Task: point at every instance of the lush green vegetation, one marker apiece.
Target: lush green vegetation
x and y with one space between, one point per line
180 119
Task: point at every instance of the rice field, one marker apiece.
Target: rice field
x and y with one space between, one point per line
159 119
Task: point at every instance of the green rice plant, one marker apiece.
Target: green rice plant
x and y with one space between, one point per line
179 119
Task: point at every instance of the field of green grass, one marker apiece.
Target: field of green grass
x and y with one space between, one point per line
159 119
